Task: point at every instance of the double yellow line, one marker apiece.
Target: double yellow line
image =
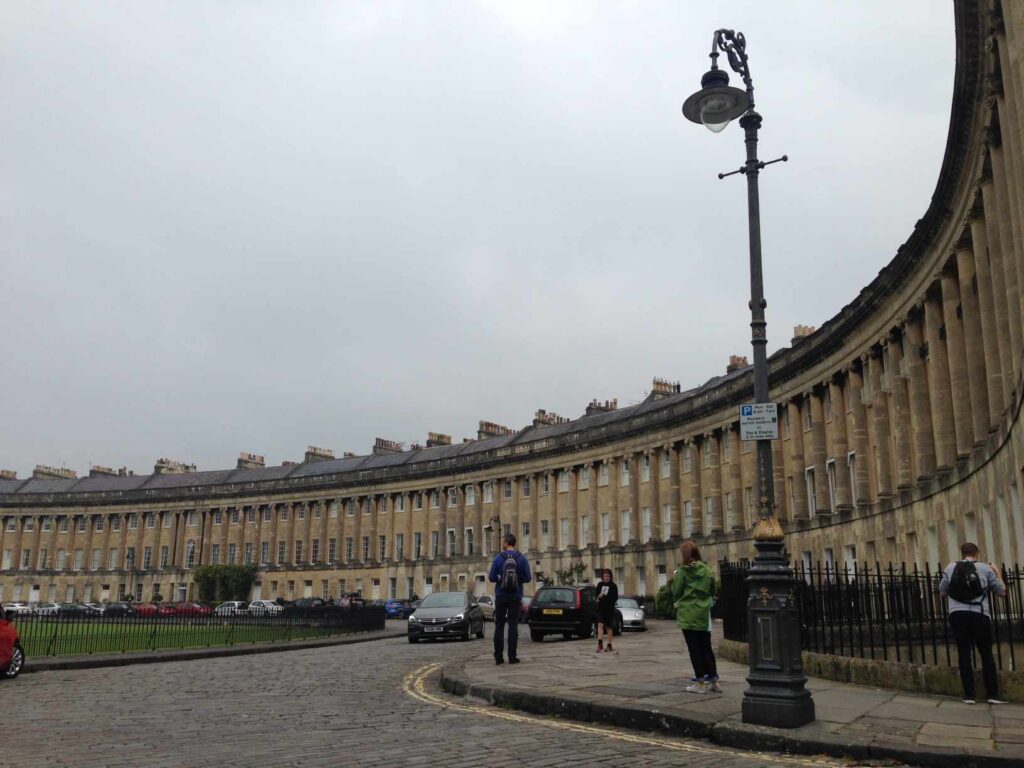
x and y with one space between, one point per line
415 685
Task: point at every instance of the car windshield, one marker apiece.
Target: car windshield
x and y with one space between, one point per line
626 602
445 600
548 596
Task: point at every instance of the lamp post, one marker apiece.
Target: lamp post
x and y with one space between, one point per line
776 695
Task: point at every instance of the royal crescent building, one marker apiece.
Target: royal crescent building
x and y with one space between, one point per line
899 438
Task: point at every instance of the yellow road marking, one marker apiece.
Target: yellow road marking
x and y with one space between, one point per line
414 684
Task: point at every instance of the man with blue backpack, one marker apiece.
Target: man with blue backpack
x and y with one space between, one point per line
509 571
969 584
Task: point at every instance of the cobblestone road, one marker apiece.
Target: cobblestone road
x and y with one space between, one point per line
354 705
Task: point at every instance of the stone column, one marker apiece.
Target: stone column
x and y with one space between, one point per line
1008 245
958 374
986 308
819 453
901 404
880 427
840 445
19 537
920 400
939 387
997 276
293 511
675 490
975 348
655 495
797 464
634 458
535 542
733 481
714 490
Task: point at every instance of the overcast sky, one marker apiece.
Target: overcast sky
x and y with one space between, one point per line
258 226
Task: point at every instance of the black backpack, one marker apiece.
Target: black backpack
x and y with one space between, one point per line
965 584
510 575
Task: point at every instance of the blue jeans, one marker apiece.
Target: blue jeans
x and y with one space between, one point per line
506 610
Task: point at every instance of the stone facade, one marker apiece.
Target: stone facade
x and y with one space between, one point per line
900 437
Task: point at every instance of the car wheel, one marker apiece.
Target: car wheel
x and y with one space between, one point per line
467 635
536 636
17 662
413 640
480 632
617 628
567 635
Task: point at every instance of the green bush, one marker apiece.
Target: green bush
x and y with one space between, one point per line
663 603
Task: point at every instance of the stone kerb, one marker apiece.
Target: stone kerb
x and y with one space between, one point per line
879 673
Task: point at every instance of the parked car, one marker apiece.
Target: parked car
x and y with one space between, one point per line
192 609
486 603
46 609
446 614
264 608
155 610
232 608
77 610
633 615
524 608
18 608
397 609
99 608
12 655
119 609
569 611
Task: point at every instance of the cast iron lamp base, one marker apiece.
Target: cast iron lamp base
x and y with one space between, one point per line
776 695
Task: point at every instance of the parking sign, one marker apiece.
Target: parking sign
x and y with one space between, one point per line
759 421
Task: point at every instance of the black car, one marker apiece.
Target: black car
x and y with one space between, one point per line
118 609
446 614
569 611
78 610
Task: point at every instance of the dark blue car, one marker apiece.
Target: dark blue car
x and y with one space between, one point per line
398 609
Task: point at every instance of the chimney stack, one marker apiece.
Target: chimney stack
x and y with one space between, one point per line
487 429
543 418
43 472
313 453
662 387
8 474
605 407
95 470
382 447
436 438
250 461
171 467
736 362
800 332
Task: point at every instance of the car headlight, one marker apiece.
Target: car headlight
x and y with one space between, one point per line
413 619
458 617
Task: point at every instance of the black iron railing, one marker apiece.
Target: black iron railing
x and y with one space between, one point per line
880 612
58 635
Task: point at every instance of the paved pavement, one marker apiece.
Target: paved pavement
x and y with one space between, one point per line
643 684
369 704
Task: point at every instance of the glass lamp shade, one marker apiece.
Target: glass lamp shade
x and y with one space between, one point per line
716 104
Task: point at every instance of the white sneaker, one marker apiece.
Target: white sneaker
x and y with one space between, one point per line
996 701
696 688
715 687
968 701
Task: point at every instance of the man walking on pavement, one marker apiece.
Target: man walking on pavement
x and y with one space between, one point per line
509 571
969 585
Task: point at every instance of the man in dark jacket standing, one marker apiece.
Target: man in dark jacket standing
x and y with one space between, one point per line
507 602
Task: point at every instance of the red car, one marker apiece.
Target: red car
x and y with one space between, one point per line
193 609
12 657
151 610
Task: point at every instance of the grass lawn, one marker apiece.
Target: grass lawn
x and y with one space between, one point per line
49 637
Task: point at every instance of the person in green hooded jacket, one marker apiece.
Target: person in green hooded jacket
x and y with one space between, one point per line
694 588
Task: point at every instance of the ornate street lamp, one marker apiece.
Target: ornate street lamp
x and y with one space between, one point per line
776 695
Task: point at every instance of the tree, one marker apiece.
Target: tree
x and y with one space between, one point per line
663 602
224 582
572 574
